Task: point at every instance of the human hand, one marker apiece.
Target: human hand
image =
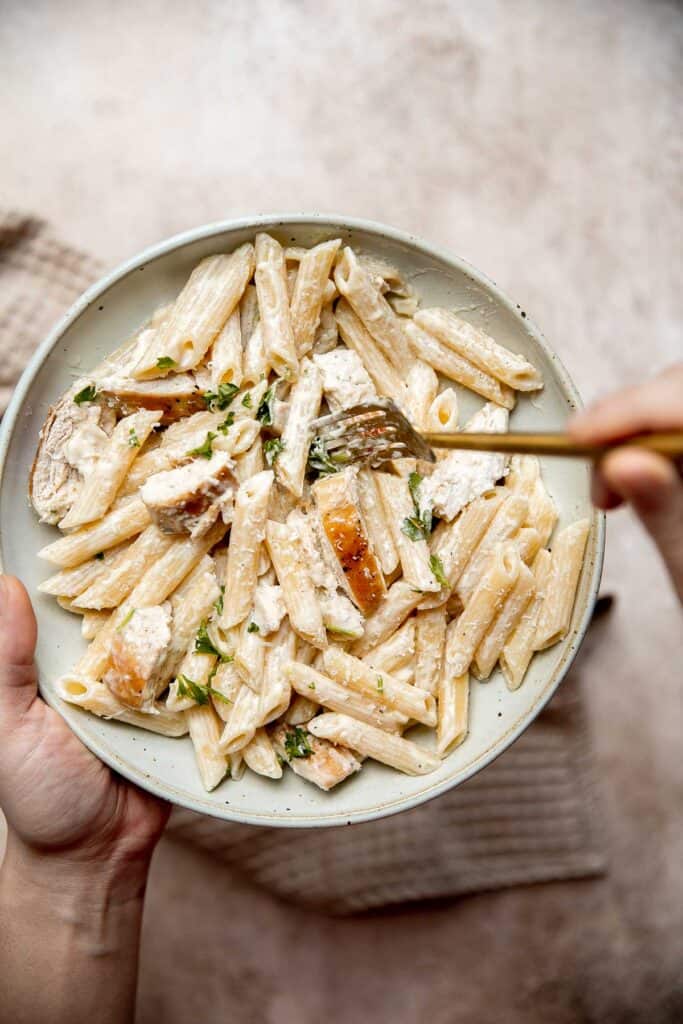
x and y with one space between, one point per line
61 803
649 482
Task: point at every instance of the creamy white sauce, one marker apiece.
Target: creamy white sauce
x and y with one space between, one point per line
87 443
346 382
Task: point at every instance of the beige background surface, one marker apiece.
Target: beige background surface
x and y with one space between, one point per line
541 141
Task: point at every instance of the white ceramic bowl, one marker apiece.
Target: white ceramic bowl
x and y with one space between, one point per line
105 315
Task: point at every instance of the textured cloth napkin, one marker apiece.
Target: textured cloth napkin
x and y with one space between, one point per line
529 817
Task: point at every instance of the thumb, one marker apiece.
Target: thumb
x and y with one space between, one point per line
652 485
18 630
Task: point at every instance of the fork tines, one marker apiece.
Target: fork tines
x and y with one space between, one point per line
373 432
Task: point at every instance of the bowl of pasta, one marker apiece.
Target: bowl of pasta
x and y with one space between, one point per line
239 619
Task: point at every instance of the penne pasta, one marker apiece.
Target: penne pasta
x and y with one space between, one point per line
94 696
309 293
490 648
273 301
430 638
260 756
317 688
376 524
226 353
454 692
205 730
519 647
246 538
199 313
453 366
294 577
504 525
118 525
565 569
290 464
375 313
398 753
384 375
111 588
409 539
482 607
480 349
356 675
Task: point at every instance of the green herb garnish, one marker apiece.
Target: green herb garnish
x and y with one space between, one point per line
166 363
220 399
296 743
311 686
226 424
218 603
204 645
272 449
133 439
418 526
253 627
246 401
205 450
323 462
87 394
380 684
436 565
264 413
100 556
342 632
199 692
125 622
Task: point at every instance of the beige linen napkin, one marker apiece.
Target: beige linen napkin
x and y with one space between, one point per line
529 817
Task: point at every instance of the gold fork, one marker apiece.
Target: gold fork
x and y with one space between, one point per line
377 432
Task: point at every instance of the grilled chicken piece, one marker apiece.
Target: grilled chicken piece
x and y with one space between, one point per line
336 500
138 650
325 764
70 440
175 396
190 498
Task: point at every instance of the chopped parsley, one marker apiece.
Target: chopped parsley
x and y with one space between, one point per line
323 462
205 450
129 616
272 448
199 692
311 686
219 400
100 556
133 439
296 743
253 627
218 603
264 413
246 401
166 363
342 632
86 394
227 423
418 526
380 684
436 565
204 645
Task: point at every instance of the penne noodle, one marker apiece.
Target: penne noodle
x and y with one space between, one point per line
298 592
118 525
401 599
369 741
412 547
199 313
395 653
226 353
460 370
375 313
482 607
372 510
100 486
504 525
250 656
96 697
565 569
92 623
241 722
490 648
204 725
72 582
300 711
454 692
430 638
290 464
276 691
480 349
309 293
111 588
423 386
542 513
246 537
260 756
401 697
519 647
383 374
317 688
273 302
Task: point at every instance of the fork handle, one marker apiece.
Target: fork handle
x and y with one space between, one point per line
669 444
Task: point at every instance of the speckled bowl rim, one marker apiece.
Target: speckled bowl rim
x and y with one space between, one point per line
594 551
